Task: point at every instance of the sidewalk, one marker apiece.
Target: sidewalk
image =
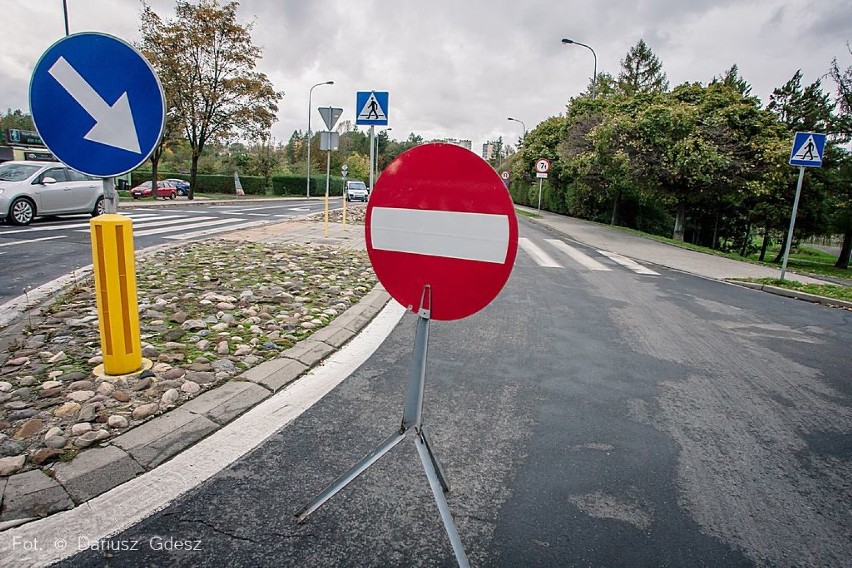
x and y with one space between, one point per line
648 250
108 463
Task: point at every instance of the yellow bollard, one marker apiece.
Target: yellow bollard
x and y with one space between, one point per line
115 290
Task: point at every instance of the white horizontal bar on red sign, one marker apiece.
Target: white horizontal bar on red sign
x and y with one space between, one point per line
451 234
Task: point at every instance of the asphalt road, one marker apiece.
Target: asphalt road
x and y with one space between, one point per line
57 246
586 417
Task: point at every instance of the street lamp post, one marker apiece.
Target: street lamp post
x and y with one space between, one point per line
524 139
595 55
310 93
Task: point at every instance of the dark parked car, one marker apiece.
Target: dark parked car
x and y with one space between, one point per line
164 190
181 185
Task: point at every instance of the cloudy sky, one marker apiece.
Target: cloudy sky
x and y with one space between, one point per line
460 68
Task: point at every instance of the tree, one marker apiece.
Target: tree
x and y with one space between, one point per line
731 78
843 81
641 72
843 189
802 110
207 60
17 120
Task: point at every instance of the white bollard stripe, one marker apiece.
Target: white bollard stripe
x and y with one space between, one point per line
452 234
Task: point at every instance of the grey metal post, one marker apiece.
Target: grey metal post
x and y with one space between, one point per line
372 155
413 413
110 196
792 221
539 196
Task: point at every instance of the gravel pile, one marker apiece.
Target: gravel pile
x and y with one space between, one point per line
207 313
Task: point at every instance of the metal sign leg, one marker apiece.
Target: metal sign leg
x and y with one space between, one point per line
442 477
443 508
350 475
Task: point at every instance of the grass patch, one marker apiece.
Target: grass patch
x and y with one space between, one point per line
528 214
834 291
802 259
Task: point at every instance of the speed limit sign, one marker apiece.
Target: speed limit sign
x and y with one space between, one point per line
542 165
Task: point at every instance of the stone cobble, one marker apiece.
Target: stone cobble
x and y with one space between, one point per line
208 312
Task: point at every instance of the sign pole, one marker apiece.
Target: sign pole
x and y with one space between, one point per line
539 196
372 155
792 221
110 196
327 175
345 171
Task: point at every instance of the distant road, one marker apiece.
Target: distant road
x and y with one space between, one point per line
57 246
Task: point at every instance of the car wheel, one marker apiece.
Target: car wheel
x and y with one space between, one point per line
100 207
21 212
173 195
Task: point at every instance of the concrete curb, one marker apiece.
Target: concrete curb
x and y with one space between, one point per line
795 294
34 494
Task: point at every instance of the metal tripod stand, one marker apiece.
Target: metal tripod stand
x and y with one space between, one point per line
411 423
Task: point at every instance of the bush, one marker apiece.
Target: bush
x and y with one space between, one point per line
289 184
282 184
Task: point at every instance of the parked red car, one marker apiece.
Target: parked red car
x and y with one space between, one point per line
164 190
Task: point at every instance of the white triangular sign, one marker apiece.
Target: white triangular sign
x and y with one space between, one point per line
372 110
807 151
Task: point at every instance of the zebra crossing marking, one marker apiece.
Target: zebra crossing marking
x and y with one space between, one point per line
627 263
578 256
207 232
32 241
538 255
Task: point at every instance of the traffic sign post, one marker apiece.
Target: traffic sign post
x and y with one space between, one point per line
372 110
807 152
328 142
100 109
442 236
542 166
344 171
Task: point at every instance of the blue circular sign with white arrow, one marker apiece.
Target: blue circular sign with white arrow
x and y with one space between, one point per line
97 104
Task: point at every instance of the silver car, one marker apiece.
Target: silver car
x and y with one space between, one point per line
33 189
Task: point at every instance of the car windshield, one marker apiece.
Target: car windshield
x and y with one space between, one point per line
17 172
358 185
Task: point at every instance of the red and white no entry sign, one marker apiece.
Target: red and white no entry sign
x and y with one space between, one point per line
542 165
440 215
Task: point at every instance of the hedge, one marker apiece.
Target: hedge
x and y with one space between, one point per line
283 184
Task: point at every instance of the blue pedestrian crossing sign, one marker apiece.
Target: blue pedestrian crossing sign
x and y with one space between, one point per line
372 108
97 104
807 149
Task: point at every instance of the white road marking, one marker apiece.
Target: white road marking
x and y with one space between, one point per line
450 234
160 222
185 227
578 256
539 256
31 241
229 228
627 263
127 504
55 227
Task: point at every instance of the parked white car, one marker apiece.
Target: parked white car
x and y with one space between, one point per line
34 189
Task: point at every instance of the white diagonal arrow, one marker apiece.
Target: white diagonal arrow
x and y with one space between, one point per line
114 124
